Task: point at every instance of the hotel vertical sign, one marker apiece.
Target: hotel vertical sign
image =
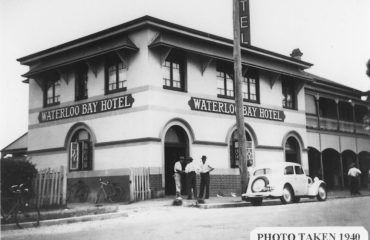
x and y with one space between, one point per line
245 32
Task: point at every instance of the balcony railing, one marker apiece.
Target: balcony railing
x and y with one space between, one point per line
345 126
362 128
328 124
312 121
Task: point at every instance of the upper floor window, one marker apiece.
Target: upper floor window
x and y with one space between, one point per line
116 75
174 71
81 83
52 92
250 86
226 86
225 80
289 95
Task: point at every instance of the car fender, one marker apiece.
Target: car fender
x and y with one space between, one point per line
313 188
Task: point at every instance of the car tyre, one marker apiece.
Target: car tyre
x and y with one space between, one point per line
256 201
322 194
287 196
296 199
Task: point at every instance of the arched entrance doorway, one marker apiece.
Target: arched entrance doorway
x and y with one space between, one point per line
292 150
348 157
234 151
176 145
364 160
331 167
314 163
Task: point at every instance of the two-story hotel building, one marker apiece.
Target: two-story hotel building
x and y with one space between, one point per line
143 93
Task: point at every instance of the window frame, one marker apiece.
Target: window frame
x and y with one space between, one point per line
81 83
84 149
175 57
223 70
55 98
299 170
115 62
252 74
290 167
289 85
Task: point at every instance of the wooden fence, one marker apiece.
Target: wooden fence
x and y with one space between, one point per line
50 187
140 186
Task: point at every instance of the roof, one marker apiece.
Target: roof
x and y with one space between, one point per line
324 83
17 146
85 52
145 21
210 49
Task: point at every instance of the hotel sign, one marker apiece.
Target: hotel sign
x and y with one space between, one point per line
245 31
83 109
206 105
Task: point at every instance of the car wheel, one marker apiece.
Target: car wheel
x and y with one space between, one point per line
296 199
259 183
322 195
287 196
256 201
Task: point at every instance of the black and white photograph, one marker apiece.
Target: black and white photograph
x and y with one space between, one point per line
169 119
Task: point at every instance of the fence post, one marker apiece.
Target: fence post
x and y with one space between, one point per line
60 187
39 185
52 188
131 185
64 185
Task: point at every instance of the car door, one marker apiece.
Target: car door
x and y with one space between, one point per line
300 181
289 177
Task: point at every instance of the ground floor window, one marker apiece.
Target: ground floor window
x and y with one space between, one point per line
80 151
234 151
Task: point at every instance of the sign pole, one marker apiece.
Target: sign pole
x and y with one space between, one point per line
242 146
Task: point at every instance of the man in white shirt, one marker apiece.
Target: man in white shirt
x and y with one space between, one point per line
191 178
204 170
354 175
177 175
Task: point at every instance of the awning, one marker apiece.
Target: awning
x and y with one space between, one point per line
82 53
19 146
249 57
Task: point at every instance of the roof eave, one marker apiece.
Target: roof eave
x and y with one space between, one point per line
151 21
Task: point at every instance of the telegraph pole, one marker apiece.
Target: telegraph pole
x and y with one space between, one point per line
242 146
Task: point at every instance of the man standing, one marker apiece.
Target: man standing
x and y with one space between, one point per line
354 175
205 169
178 171
190 178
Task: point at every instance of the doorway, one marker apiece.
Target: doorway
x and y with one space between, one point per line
176 145
292 151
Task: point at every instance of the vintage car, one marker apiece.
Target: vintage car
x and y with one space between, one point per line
284 180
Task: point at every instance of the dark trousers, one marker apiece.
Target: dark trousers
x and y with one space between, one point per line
191 184
354 185
204 183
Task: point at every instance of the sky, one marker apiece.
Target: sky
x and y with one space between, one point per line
332 34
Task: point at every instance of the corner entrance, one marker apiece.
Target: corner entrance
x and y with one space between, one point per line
176 145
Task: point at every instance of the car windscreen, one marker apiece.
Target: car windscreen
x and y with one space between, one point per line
262 171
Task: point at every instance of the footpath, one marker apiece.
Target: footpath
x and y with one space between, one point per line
82 212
